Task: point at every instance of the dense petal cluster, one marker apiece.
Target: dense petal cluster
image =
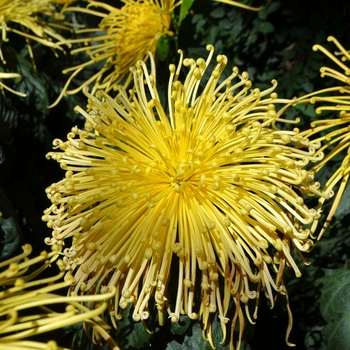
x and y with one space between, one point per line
209 186
27 13
124 37
334 134
25 303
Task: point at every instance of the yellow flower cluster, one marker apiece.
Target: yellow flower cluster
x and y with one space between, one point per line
121 42
128 34
211 186
25 18
181 206
24 13
25 303
333 133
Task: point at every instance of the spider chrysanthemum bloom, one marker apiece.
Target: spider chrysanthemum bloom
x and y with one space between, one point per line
210 186
334 134
26 301
28 15
125 35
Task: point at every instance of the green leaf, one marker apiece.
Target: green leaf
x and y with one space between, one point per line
163 47
131 334
344 204
308 86
174 345
307 109
268 9
266 28
82 341
335 308
182 326
11 238
194 338
219 12
185 7
273 6
33 86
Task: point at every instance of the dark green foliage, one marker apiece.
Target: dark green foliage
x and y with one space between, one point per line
163 47
184 8
335 307
343 209
11 238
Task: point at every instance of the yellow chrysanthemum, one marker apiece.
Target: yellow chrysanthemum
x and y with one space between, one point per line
129 33
25 18
332 133
27 14
22 296
211 186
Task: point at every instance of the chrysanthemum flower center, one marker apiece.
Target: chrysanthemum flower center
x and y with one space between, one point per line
144 23
128 34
